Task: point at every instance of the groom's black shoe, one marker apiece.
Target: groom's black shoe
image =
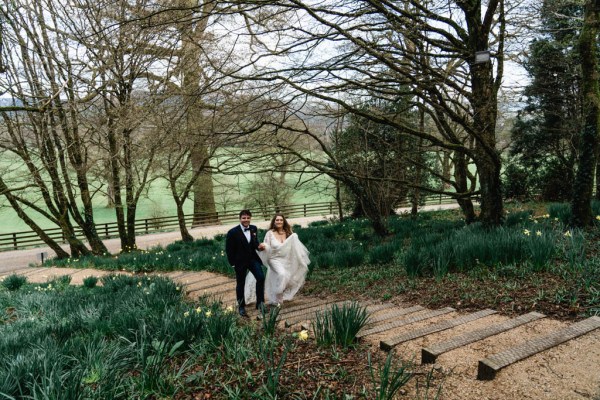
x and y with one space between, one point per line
242 312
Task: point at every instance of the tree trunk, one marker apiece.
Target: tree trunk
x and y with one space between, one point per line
367 206
491 192
484 102
597 195
129 191
185 234
60 253
205 210
584 180
115 180
486 157
462 186
338 200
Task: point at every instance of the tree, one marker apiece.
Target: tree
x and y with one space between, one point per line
589 137
376 157
338 52
45 135
545 134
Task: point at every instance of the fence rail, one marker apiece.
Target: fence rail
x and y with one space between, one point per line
107 230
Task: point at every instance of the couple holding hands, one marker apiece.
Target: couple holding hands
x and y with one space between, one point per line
281 251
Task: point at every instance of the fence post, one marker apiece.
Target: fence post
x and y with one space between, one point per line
440 199
305 209
146 224
330 207
106 230
15 241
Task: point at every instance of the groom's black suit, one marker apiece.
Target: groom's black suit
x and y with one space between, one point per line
242 255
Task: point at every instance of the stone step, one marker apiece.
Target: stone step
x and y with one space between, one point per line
389 343
195 277
306 303
489 366
431 353
31 271
307 323
17 271
179 275
406 321
393 314
307 313
206 281
211 288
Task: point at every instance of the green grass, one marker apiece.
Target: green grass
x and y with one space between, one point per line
230 192
138 338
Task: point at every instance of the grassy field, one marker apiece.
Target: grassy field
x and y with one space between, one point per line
230 192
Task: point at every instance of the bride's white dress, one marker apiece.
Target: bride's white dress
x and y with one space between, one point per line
287 266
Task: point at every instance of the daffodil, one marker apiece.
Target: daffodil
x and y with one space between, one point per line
198 310
208 314
526 232
186 314
538 233
568 234
229 309
303 335
598 217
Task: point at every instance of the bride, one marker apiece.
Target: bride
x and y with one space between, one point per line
287 262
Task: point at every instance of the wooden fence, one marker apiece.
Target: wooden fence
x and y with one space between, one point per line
25 239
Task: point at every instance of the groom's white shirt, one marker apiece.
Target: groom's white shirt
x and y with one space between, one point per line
246 233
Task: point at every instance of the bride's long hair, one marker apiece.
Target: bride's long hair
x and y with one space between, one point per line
286 226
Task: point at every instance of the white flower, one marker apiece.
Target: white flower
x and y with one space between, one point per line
568 234
538 233
526 232
186 314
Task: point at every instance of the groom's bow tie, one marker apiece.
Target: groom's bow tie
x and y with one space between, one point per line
246 229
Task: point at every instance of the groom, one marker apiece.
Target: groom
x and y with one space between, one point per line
241 244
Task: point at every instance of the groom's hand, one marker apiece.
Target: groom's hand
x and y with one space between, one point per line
261 246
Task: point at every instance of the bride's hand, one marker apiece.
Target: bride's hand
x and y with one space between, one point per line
261 246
